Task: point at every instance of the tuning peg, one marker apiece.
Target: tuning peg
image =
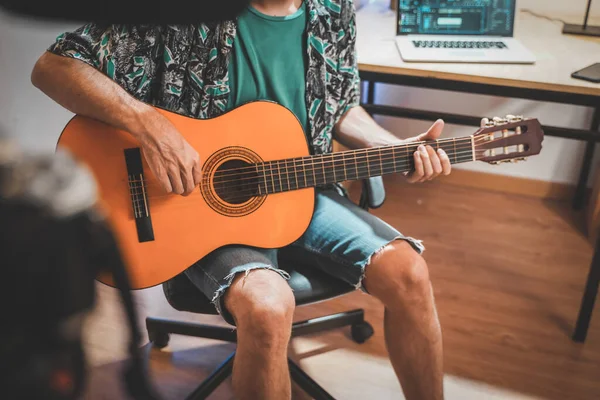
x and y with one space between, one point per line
515 118
498 121
519 159
512 161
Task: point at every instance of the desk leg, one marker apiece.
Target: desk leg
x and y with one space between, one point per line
586 165
370 92
589 297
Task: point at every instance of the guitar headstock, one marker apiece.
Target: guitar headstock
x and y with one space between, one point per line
508 139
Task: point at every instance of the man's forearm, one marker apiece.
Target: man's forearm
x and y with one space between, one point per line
86 91
357 130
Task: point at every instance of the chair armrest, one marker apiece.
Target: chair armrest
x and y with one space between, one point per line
373 193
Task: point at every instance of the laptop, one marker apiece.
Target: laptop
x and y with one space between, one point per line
459 31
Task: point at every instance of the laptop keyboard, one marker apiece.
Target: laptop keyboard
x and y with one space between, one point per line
446 44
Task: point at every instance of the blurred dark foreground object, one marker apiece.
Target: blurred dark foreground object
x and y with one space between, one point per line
128 11
53 242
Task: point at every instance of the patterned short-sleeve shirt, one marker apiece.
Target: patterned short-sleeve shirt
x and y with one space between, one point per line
184 68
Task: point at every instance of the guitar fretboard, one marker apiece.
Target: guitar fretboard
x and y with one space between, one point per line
297 173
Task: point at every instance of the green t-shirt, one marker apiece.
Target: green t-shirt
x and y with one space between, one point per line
269 61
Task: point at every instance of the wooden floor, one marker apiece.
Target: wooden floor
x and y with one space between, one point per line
508 274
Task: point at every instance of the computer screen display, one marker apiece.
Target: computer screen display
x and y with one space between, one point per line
456 17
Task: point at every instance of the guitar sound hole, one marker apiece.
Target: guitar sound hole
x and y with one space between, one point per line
236 182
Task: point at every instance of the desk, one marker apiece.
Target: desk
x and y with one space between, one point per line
548 80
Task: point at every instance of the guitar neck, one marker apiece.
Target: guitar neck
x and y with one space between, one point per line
298 173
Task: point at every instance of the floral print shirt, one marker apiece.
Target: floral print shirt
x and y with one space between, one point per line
184 68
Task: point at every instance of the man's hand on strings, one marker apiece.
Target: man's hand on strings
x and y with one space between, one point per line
429 163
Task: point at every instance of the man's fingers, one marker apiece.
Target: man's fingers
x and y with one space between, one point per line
484 121
175 179
445 161
165 182
187 178
417 175
190 174
196 172
161 174
433 132
427 167
435 162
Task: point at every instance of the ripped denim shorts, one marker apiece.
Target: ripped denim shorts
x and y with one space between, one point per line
341 237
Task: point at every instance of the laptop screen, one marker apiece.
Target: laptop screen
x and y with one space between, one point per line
456 17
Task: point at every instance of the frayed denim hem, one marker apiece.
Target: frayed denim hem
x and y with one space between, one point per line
415 243
216 300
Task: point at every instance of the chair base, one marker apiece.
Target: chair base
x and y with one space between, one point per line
160 329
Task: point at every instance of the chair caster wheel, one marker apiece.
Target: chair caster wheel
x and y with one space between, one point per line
362 332
159 340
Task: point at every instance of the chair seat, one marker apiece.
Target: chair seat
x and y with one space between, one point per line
309 284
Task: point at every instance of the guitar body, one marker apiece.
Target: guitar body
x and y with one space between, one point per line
163 234
257 181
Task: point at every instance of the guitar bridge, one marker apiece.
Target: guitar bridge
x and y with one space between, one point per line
138 195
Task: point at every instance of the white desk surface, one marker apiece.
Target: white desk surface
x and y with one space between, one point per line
558 56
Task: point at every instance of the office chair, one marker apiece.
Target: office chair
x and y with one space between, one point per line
309 285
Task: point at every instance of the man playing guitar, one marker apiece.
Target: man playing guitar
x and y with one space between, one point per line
301 54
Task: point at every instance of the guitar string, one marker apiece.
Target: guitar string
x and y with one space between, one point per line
242 198
245 195
286 174
332 166
333 157
364 152
296 164
253 192
135 210
294 168
327 158
137 204
333 163
278 180
325 163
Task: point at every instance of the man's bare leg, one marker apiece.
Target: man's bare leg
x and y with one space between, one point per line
398 276
262 305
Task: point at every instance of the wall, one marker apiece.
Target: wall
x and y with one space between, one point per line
36 122
25 113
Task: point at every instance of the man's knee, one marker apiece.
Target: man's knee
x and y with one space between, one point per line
262 305
398 273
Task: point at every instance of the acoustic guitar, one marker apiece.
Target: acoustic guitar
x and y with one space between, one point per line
258 181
